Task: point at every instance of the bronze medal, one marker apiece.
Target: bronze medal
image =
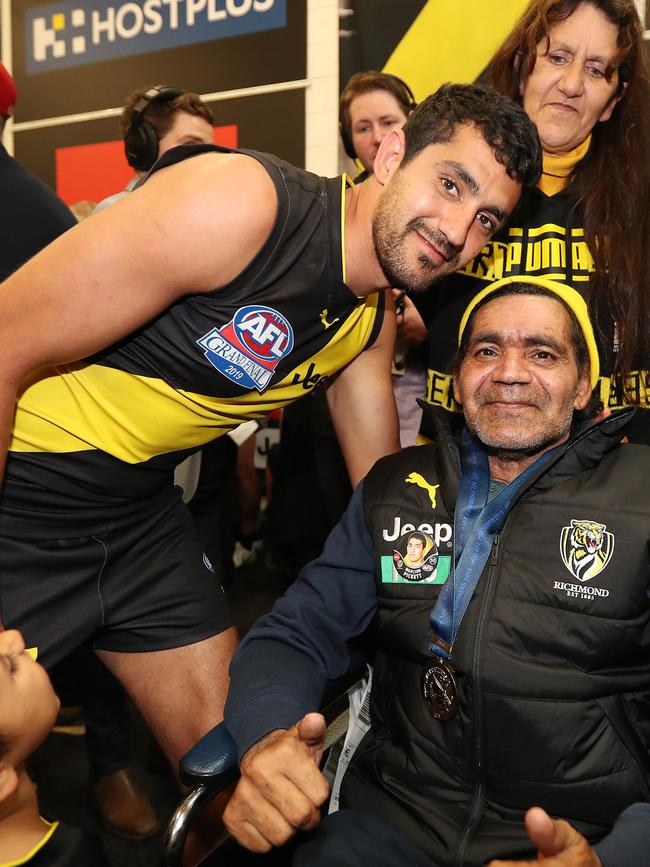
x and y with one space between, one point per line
439 689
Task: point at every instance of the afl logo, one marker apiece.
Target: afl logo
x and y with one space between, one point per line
264 332
248 348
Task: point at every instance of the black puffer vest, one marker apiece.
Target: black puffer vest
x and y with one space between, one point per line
552 659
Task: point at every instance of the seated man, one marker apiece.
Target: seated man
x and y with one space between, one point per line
511 674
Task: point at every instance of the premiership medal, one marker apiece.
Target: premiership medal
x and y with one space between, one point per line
439 689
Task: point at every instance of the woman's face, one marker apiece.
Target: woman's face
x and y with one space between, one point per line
567 92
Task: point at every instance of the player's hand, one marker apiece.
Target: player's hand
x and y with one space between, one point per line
410 326
558 844
281 787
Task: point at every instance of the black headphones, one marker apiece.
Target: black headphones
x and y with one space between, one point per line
141 138
344 127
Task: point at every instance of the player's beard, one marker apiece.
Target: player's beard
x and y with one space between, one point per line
390 236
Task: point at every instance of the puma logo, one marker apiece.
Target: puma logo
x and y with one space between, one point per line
323 318
421 482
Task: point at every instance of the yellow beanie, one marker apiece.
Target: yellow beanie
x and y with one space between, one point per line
571 298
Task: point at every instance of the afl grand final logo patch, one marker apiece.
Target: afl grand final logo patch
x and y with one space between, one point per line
586 548
248 348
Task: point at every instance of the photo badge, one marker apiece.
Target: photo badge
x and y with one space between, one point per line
416 558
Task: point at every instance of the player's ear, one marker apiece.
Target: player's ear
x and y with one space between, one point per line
389 155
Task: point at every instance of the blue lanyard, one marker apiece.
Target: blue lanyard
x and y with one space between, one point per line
476 523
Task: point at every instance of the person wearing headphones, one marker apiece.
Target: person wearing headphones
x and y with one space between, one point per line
371 104
155 120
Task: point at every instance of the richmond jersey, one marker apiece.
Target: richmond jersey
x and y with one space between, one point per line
116 424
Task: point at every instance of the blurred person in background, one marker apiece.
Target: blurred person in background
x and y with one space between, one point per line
155 120
31 214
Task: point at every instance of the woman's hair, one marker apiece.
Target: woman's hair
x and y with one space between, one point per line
611 185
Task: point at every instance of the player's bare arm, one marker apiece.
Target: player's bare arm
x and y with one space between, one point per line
191 228
362 403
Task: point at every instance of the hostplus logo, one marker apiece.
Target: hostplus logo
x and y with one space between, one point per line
49 36
62 34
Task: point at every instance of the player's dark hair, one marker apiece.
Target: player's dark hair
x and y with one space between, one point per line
504 125
416 534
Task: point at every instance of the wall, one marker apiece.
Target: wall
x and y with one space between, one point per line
74 61
279 91
322 96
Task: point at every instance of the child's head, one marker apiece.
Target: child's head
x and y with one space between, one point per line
28 705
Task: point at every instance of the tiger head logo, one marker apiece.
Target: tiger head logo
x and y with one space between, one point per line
586 548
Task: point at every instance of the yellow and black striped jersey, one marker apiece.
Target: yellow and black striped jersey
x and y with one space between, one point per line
116 424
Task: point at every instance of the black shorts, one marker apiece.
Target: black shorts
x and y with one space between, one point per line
140 585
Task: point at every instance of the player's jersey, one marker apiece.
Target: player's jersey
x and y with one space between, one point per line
544 238
115 425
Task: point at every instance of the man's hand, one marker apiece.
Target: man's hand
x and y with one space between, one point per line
558 844
281 787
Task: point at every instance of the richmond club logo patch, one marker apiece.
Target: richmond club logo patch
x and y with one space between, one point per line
586 548
248 348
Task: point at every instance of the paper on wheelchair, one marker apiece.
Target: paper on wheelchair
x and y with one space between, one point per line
344 748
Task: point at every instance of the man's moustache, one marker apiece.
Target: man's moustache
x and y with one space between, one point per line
506 396
438 240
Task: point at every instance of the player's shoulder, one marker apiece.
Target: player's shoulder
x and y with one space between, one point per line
232 192
216 169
